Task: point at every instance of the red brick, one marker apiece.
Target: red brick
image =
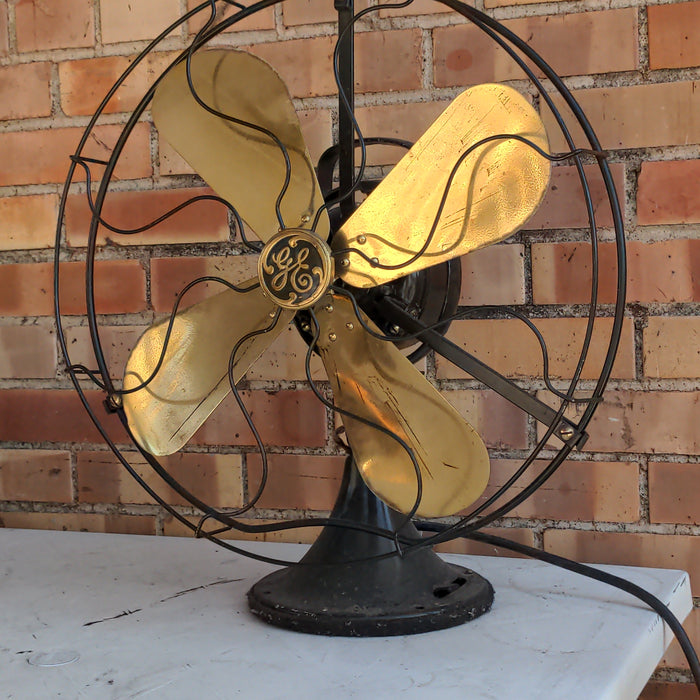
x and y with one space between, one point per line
56 147
307 482
605 42
120 287
465 546
629 549
374 51
673 493
170 275
404 121
563 205
82 522
265 19
511 348
637 116
28 222
28 84
42 25
117 343
201 222
418 7
673 36
27 352
658 690
283 418
674 656
137 20
493 275
215 479
48 415
35 475
667 192
663 271
601 491
498 422
85 83
672 347
285 359
501 3
656 422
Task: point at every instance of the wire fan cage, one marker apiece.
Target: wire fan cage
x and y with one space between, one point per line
562 409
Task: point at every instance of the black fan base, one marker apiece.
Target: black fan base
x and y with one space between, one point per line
332 593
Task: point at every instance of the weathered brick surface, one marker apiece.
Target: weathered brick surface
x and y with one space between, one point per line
605 42
264 19
663 271
201 222
465 546
85 83
36 415
673 493
25 90
674 656
28 222
296 481
283 418
511 348
4 34
662 114
604 491
493 275
215 479
35 475
658 690
170 275
668 192
135 21
42 25
672 347
120 287
27 352
673 36
57 145
81 522
630 549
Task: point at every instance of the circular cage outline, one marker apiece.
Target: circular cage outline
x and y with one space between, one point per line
505 39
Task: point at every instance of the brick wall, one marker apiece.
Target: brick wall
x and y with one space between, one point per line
629 498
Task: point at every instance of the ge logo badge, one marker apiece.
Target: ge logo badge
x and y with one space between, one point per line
295 268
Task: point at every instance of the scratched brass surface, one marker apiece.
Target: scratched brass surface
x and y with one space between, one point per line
495 190
242 165
374 380
193 378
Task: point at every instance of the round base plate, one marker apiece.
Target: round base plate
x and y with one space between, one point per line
369 600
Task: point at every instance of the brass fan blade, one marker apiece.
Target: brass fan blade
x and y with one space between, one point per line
374 380
495 190
242 165
193 378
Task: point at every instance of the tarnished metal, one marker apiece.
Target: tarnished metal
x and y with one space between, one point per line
295 269
495 190
243 165
193 378
372 379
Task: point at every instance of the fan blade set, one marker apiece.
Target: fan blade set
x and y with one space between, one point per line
462 186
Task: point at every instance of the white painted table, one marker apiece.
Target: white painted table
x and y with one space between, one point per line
167 618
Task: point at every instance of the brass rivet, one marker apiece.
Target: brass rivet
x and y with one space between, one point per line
332 337
329 308
566 433
272 314
305 219
344 262
362 239
349 325
375 260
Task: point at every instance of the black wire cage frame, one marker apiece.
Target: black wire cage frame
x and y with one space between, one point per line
350 179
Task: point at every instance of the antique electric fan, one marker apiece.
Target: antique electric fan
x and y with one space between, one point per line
370 288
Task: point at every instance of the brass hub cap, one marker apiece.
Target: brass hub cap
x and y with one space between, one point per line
295 268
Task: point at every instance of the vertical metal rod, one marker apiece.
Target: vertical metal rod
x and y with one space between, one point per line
346 74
